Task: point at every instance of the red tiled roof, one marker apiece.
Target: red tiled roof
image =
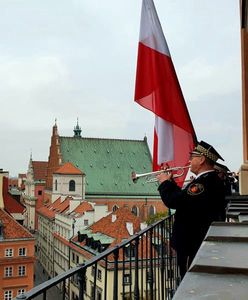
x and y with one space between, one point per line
11 228
117 229
10 203
57 206
40 169
68 168
83 207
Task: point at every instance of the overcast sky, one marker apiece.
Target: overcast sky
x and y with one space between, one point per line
77 58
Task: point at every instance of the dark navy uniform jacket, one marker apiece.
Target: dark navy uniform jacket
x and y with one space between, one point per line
197 205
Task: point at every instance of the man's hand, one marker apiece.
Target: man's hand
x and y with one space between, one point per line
164 176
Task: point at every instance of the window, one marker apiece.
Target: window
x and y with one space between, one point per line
127 279
74 296
170 273
22 251
115 207
86 222
39 193
93 270
21 270
71 186
8 295
9 252
130 251
77 259
149 277
99 274
21 291
75 279
56 185
135 210
151 211
98 295
8 271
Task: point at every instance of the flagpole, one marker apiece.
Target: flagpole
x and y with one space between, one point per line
243 174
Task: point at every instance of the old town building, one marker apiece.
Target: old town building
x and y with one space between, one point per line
16 252
106 166
106 233
57 223
33 195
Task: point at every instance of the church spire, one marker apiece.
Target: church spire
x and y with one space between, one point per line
77 130
55 128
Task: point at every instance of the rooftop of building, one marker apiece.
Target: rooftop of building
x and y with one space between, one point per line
58 206
108 164
83 207
11 228
39 170
113 228
68 169
10 203
107 233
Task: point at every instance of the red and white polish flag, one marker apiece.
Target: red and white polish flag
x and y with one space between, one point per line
158 90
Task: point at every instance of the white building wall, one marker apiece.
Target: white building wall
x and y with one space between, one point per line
63 186
100 212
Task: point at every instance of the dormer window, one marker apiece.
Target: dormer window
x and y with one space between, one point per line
72 186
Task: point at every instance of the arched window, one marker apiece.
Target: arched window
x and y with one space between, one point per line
115 207
151 210
56 185
135 210
72 186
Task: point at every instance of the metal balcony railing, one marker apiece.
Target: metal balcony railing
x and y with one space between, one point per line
141 267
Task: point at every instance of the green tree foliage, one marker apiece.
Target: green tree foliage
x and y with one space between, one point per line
158 216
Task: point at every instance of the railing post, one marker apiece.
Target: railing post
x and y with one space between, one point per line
162 260
151 264
136 286
115 291
81 281
171 270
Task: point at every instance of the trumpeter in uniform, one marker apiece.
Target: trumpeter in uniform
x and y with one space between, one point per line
197 205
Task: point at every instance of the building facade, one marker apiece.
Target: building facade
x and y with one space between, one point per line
106 165
16 254
104 234
33 195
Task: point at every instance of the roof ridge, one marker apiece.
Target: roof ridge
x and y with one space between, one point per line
95 138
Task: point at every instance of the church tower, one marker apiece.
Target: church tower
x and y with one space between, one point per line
77 130
54 159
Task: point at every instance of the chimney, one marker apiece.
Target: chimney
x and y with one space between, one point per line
114 218
129 226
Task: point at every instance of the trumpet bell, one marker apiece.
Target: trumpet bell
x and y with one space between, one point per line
134 177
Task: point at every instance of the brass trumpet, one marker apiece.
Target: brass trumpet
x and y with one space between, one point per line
151 176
